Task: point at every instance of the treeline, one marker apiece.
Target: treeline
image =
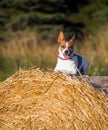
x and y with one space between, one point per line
83 16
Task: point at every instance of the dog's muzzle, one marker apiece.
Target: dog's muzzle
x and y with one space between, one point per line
66 52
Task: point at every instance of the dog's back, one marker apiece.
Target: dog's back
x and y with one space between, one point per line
82 64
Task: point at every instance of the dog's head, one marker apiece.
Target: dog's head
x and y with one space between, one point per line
66 47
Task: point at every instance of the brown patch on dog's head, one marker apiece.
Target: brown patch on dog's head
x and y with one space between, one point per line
62 41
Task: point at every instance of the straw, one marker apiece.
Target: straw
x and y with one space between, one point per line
39 100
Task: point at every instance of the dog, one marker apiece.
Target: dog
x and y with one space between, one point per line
67 60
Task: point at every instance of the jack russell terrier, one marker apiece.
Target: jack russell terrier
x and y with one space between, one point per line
67 60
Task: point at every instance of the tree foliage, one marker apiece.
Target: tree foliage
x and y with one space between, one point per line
73 15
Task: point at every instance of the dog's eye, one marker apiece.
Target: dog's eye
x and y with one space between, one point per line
62 46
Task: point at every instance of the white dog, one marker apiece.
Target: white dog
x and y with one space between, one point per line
68 61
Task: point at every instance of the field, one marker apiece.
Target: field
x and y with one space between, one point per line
24 49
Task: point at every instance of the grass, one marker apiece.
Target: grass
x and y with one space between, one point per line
96 52
24 49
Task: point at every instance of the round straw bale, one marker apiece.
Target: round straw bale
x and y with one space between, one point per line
38 100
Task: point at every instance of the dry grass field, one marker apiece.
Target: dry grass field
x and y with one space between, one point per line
24 50
39 100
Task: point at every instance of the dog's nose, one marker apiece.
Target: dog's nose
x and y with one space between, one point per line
66 51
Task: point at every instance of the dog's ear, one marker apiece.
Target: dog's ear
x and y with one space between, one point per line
72 39
61 37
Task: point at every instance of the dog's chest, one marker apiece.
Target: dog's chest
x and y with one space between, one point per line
67 65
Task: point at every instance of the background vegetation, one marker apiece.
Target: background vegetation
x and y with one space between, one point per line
30 27
83 16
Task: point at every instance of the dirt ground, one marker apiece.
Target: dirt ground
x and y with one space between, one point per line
98 82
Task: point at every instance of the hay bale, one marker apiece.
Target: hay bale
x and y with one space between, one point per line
37 100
